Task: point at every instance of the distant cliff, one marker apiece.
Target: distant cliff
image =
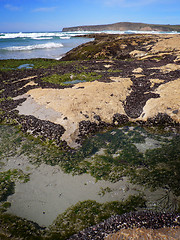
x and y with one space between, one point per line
124 26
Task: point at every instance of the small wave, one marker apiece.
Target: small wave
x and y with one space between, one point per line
33 47
42 38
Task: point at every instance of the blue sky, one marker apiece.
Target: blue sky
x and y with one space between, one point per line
53 15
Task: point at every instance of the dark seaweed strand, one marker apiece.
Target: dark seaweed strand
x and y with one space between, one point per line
152 220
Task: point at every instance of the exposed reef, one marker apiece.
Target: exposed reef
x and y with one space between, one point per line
134 76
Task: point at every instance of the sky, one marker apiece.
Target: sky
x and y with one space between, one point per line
53 15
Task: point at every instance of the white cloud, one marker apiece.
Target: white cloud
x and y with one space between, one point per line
44 9
11 7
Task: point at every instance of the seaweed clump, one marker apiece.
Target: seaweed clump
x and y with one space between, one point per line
61 79
13 227
89 213
8 179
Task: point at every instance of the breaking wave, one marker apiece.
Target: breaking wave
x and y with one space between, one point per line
29 35
66 35
33 47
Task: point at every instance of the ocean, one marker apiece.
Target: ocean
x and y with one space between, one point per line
53 45
38 44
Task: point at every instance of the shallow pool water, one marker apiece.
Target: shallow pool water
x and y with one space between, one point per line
74 81
26 66
109 160
50 192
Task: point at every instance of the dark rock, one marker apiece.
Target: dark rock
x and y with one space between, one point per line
175 111
119 119
86 116
87 127
97 117
145 219
161 119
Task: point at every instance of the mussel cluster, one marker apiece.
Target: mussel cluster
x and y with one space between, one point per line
152 220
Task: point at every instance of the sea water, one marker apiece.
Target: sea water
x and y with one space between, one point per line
53 45
38 45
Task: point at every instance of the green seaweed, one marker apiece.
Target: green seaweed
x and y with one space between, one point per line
13 64
76 218
109 155
87 51
13 227
89 213
114 70
60 79
103 191
120 152
161 167
5 99
7 182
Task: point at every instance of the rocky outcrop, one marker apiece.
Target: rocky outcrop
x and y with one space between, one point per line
128 47
107 47
120 227
137 81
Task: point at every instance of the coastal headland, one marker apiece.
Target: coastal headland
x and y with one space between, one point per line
108 83
125 26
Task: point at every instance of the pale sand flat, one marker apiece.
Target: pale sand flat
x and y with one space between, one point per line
166 233
70 106
168 102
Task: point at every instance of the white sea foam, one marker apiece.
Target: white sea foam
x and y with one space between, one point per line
40 35
33 47
67 35
31 35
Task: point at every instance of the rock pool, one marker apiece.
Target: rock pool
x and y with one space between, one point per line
102 174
